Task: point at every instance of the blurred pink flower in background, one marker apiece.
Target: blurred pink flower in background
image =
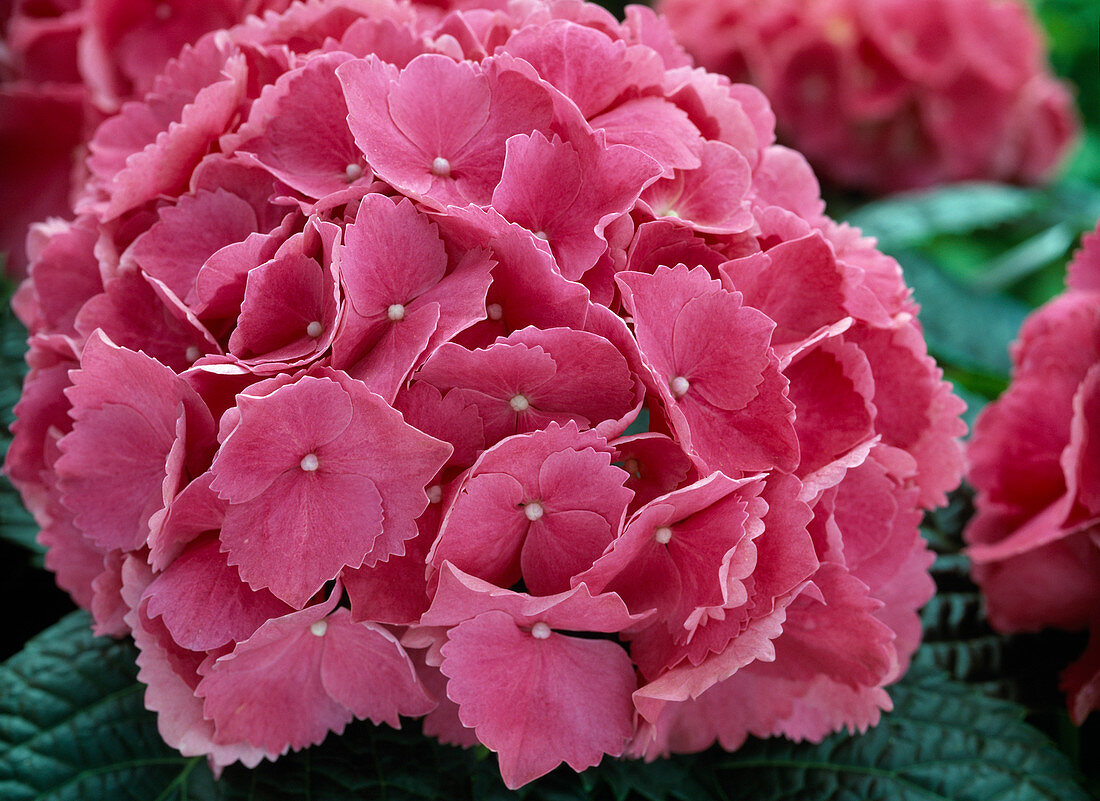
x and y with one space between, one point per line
886 95
1035 461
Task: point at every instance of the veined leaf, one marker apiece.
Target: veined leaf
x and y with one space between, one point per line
943 741
16 524
964 329
73 726
908 220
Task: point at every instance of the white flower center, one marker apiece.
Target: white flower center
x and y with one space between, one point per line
495 311
542 235
519 403
663 535
314 329
193 354
679 386
435 493
396 312
441 167
318 628
540 631
353 172
533 511
309 462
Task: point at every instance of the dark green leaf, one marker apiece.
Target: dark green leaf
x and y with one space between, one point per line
908 220
1076 201
73 725
677 778
381 763
965 329
1027 258
957 638
943 741
16 524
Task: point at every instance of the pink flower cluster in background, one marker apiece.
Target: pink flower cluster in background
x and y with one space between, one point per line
1035 461
65 65
885 95
331 379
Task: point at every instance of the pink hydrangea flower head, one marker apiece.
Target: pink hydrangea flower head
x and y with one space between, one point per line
1035 539
886 95
500 350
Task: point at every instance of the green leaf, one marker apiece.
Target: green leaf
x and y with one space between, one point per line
943 742
16 524
957 638
677 778
1076 201
1027 258
73 725
965 329
380 763
909 220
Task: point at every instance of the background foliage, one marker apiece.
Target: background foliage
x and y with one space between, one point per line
978 717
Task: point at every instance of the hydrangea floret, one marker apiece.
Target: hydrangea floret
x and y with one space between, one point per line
1035 462
490 366
886 95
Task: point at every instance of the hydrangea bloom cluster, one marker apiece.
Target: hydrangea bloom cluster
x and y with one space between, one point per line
1035 461
884 95
338 381
65 65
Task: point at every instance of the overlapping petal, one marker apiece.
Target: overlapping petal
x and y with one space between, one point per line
493 366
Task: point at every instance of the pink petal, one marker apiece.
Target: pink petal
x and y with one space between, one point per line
711 198
392 688
840 638
657 128
591 184
275 433
151 149
316 522
302 136
139 313
484 532
831 387
656 466
187 234
535 702
766 280
203 602
195 510
180 718
404 121
283 301
585 64
1083 273
142 408
1081 681
460 596
268 692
